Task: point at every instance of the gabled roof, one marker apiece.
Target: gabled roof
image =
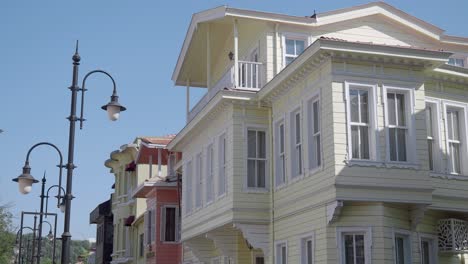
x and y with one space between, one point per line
321 19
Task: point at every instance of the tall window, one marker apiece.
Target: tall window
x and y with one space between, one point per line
209 173
359 123
428 250
307 250
294 48
454 140
256 158
402 249
354 248
281 253
280 174
397 126
169 223
188 186
199 182
141 245
296 144
313 112
150 223
222 165
431 146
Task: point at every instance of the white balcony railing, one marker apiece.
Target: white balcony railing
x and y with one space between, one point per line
453 235
250 78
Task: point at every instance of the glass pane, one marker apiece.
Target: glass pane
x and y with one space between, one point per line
451 61
300 45
401 109
399 250
298 127
261 144
261 173
251 173
299 159
425 255
309 251
450 124
363 96
170 224
259 260
290 47
364 142
393 144
401 137
355 142
455 156
317 150
289 59
431 158
429 121
354 105
281 138
391 109
349 249
316 117
252 144
283 255
456 127
360 255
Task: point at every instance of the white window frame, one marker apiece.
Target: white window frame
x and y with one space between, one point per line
256 255
199 181
410 123
293 160
293 36
267 151
210 174
435 250
163 224
303 246
279 244
434 104
188 176
463 126
373 123
366 231
150 226
464 60
408 244
280 156
222 164
309 133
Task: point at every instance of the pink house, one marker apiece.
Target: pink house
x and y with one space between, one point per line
162 193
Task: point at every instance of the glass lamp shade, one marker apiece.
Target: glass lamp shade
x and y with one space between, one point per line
62 207
25 185
16 250
113 112
50 236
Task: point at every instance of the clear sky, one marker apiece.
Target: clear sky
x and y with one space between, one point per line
138 42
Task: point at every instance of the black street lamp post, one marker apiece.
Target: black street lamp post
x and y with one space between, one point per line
25 180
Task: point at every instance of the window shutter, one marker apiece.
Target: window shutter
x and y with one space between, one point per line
163 223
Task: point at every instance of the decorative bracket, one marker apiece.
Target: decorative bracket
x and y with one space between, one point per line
256 235
417 215
334 211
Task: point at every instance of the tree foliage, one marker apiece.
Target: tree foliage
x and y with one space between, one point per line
7 236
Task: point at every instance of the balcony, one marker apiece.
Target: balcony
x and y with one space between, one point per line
453 236
249 79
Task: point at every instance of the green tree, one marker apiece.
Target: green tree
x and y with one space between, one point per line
7 236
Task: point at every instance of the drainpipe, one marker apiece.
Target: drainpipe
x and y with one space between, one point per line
272 187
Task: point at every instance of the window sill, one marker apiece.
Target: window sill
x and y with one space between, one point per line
296 178
381 164
449 176
281 186
170 242
314 171
255 190
221 196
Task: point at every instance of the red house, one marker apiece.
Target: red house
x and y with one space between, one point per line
162 193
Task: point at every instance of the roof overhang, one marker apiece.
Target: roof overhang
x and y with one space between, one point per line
321 19
146 187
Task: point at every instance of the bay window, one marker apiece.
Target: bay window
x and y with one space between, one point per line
430 135
256 158
354 245
280 175
307 249
314 135
361 113
281 255
454 140
296 143
402 248
169 224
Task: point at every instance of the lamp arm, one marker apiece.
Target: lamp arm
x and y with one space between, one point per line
50 225
83 90
21 231
58 196
60 164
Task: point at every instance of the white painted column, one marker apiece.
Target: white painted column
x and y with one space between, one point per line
276 66
159 162
208 58
236 54
187 99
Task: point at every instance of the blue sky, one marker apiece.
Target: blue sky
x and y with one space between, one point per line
138 43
